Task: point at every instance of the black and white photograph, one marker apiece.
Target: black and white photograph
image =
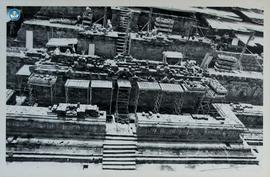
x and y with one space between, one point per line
95 89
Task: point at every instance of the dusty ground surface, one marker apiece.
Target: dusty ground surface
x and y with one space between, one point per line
26 169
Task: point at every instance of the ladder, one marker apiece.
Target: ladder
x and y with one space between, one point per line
127 36
31 97
244 50
123 40
206 61
178 103
204 105
158 103
122 102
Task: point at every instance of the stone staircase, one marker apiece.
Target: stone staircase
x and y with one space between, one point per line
119 152
195 153
120 43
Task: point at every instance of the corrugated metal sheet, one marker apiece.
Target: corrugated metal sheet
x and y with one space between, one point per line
207 11
124 83
165 87
251 14
256 40
236 26
252 27
24 71
218 24
74 83
148 86
101 84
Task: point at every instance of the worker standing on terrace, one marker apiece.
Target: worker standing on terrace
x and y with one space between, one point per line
79 20
57 51
109 25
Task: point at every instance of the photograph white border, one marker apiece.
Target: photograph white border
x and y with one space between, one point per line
45 171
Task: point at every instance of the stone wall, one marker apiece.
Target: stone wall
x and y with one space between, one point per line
250 62
105 46
186 134
41 34
193 153
68 12
243 90
61 129
52 151
142 49
251 121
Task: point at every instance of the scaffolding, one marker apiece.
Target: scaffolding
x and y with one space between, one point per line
214 92
39 85
178 103
251 37
194 95
204 104
22 76
127 35
158 102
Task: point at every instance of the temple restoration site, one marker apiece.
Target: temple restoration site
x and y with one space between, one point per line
121 88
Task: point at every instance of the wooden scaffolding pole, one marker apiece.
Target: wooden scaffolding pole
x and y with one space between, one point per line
244 50
149 26
105 17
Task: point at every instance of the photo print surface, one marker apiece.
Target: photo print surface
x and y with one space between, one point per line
135 88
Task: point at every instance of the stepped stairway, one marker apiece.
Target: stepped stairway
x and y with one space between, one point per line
119 150
120 43
195 153
253 136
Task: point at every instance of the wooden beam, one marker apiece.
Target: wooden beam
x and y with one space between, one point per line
105 17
